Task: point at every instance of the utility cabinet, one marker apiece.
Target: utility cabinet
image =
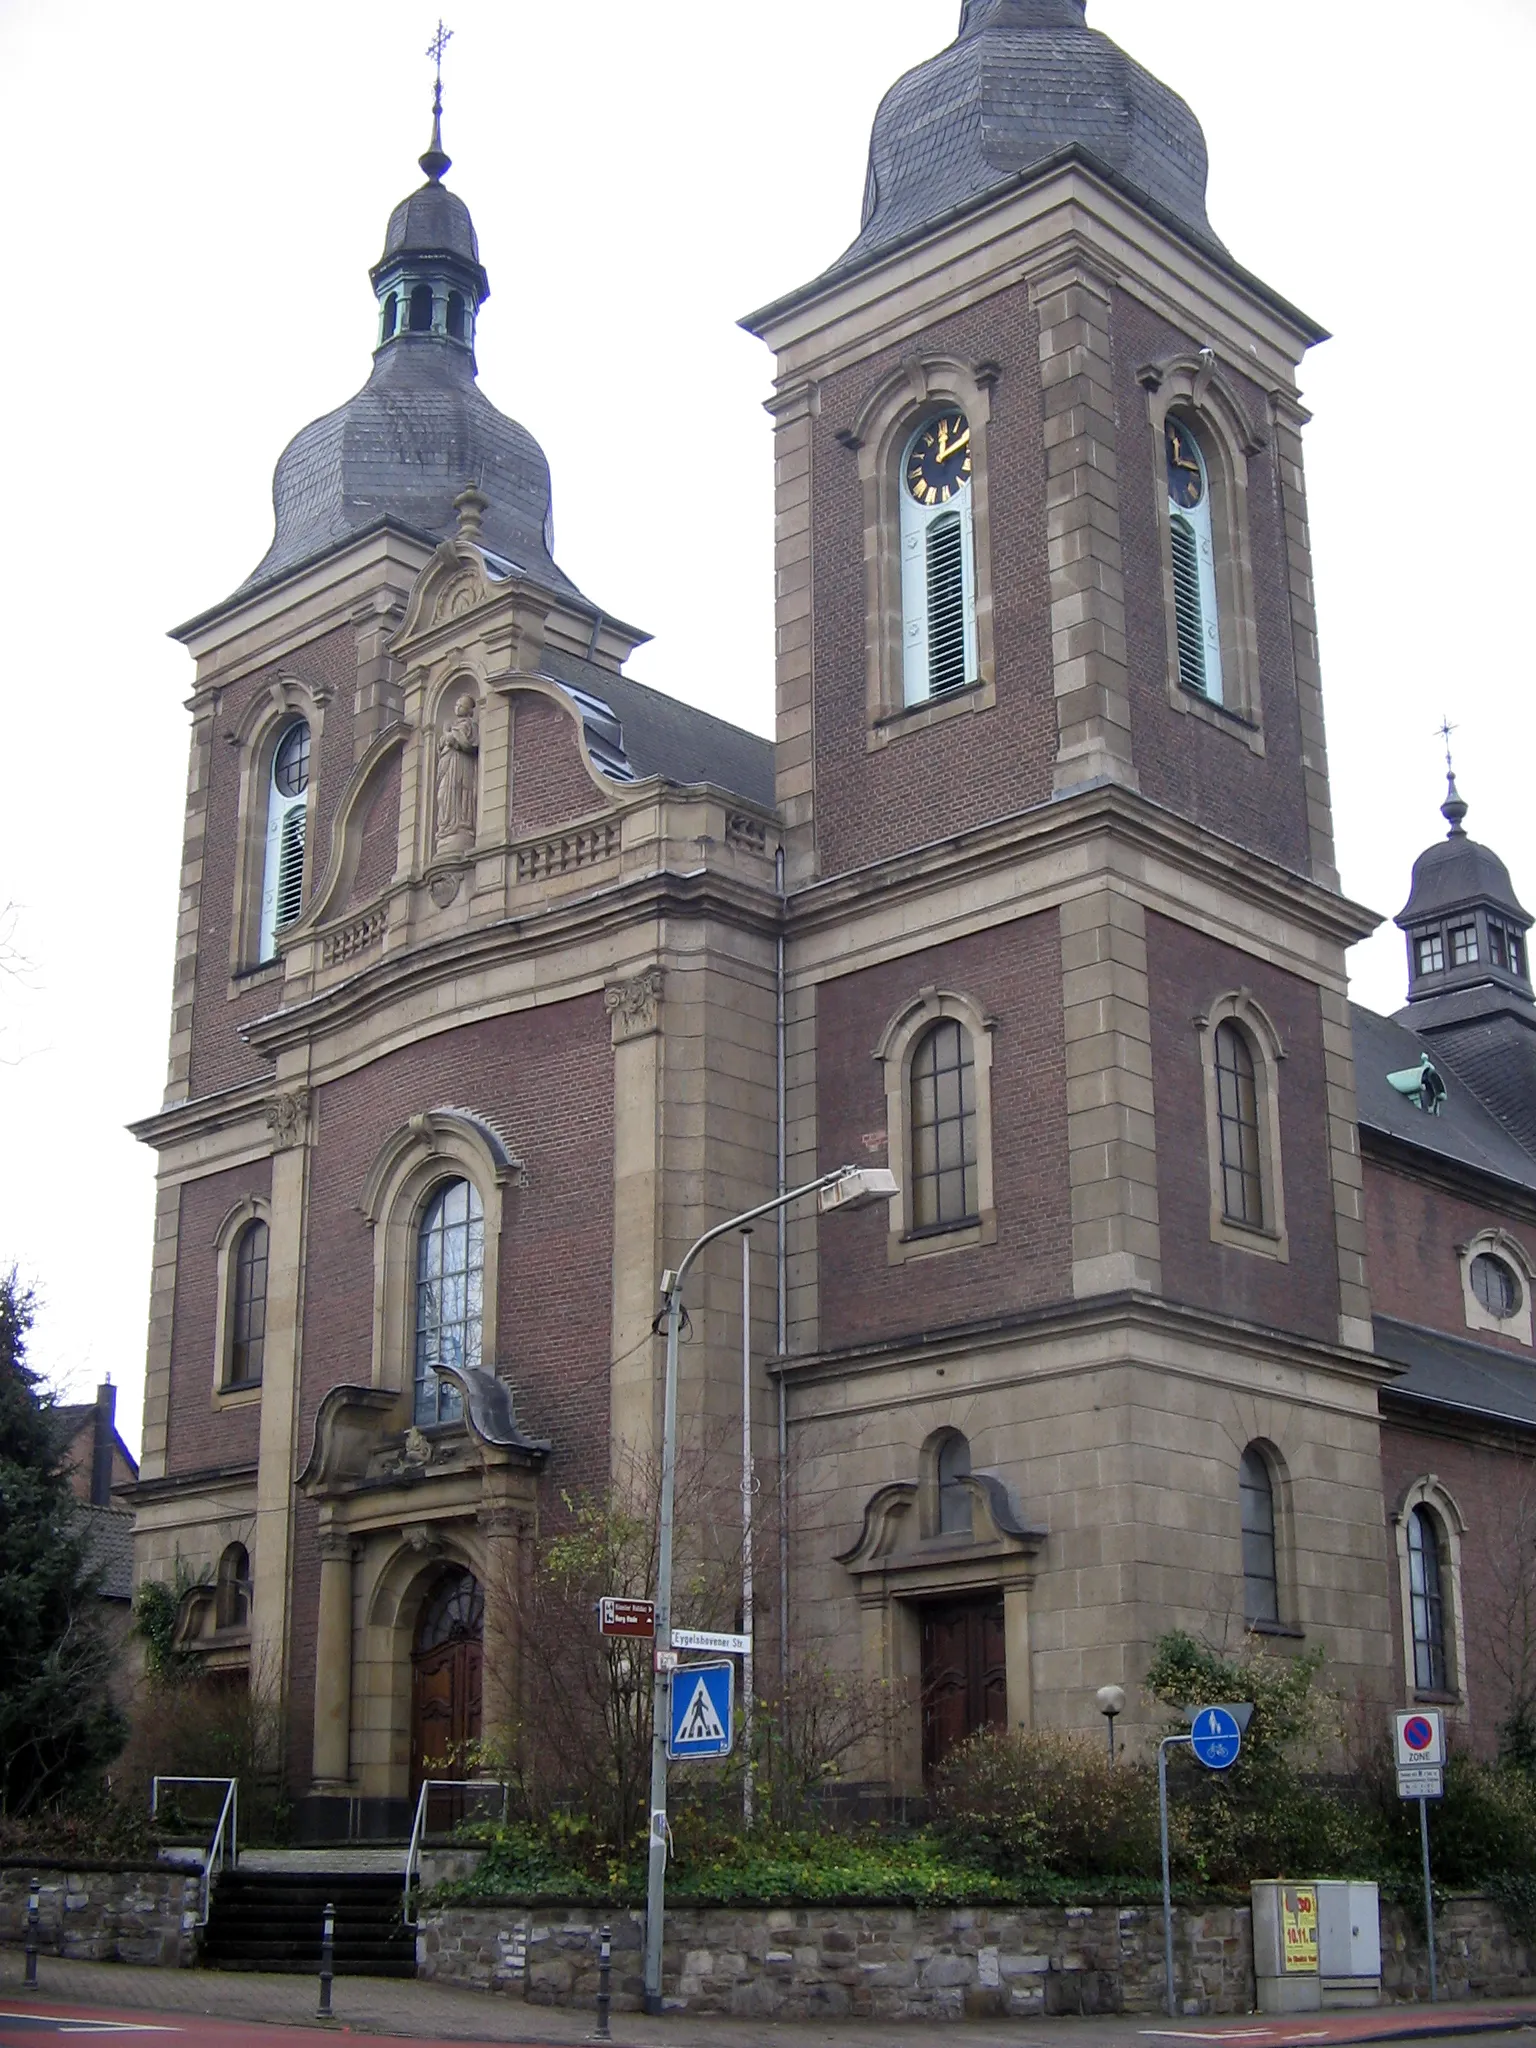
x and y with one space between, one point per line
1316 1946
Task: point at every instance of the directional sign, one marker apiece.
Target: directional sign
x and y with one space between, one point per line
700 1723
618 1617
710 1639
1420 1737
1216 1738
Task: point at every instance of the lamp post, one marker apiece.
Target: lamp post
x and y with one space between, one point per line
840 1189
1110 1700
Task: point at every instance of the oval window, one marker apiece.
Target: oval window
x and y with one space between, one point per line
1496 1286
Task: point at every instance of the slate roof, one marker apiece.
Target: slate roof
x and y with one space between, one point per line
1024 80
1454 1373
1466 1132
429 220
1456 874
653 734
110 1549
402 449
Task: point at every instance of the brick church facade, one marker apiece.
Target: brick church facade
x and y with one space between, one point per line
501 978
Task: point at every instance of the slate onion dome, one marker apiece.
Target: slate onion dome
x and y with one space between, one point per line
1023 81
1462 913
420 430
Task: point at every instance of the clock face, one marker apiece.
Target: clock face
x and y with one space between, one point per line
939 461
1186 478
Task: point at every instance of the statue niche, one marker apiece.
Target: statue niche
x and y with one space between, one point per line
458 767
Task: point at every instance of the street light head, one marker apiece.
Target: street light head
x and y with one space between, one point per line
1111 1700
857 1184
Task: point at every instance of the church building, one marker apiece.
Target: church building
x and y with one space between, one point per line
1205 1298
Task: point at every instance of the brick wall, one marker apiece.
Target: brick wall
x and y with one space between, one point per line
550 783
198 1435
1494 1486
220 1058
1185 972
1012 973
1413 1230
963 772
1210 776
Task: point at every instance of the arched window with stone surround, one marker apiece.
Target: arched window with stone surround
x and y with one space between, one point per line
1237 1109
952 1468
943 1129
248 1306
1261 1557
232 1588
450 1272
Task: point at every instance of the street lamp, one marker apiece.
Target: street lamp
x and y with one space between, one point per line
1111 1701
840 1189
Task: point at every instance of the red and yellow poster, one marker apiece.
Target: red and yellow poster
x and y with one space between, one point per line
1298 1927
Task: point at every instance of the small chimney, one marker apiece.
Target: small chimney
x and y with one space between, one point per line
103 1446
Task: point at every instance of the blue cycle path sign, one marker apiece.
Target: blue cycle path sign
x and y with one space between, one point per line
1216 1738
700 1721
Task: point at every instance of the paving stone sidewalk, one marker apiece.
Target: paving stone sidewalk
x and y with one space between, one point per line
373 2005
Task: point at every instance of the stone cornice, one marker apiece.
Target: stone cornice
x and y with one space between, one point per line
1123 1314
177 1484
625 906
201 1114
1132 819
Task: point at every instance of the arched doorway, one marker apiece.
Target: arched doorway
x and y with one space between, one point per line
445 1677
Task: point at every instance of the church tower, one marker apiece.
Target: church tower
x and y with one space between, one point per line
1064 927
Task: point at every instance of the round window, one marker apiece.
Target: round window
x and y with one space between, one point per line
1496 1286
290 766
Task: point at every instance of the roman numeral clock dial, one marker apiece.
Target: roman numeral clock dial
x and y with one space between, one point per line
939 464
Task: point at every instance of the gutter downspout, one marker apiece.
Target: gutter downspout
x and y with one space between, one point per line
782 1292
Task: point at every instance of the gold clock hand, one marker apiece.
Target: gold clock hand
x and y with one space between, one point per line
943 450
957 445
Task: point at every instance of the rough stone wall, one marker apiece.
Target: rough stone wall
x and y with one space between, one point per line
1477 1954
829 1962
112 1914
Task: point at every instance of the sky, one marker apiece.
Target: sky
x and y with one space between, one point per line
197 193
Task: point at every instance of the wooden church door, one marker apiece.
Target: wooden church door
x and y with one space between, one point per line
445 1678
965 1677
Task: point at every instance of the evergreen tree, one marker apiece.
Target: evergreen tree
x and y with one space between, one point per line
57 1722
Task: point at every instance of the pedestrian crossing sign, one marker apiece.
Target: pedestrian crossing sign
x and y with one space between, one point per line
700 1722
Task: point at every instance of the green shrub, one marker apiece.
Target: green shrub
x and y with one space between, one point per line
1046 1800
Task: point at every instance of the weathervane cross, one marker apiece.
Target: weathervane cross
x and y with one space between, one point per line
1445 729
436 47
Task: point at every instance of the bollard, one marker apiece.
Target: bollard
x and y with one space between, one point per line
604 1981
33 1904
327 1961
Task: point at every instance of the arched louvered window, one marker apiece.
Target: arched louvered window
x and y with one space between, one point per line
421 309
456 315
1194 560
391 316
248 1307
232 1588
945 1181
450 1275
1237 1109
1426 1594
282 894
938 560
952 1469
1261 1577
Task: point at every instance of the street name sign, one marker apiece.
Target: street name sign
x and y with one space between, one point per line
618 1617
711 1639
699 1722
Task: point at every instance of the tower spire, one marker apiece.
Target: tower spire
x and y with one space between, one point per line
1455 807
434 161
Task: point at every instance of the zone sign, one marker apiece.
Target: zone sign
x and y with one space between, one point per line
1420 1737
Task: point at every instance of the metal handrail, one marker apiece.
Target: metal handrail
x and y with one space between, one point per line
419 1825
224 1848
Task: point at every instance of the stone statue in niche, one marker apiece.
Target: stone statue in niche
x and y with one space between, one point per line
458 755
